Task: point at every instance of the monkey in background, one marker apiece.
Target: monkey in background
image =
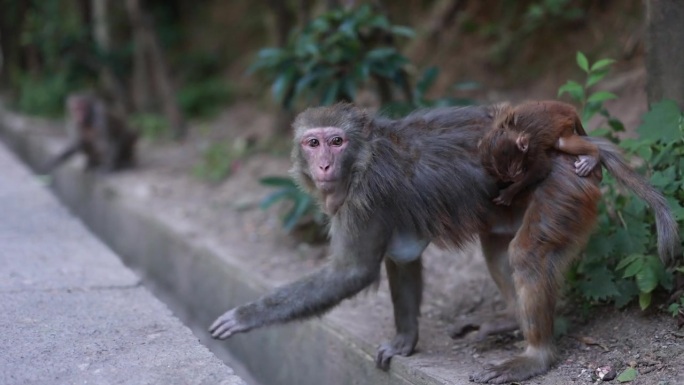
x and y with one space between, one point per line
105 140
516 148
393 186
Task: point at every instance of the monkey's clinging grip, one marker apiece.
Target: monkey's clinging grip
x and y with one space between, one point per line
391 186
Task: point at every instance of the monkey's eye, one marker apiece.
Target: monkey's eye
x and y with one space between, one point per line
313 142
336 141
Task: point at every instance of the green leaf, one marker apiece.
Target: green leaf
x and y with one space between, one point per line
403 31
603 63
627 261
466 86
676 208
295 215
645 300
625 240
598 284
277 181
673 309
331 94
574 89
601 96
647 278
380 54
306 82
663 179
601 132
591 109
348 28
595 77
349 87
633 268
282 85
616 125
627 375
628 291
662 123
426 81
582 61
645 152
275 197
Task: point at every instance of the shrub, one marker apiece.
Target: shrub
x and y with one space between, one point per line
621 261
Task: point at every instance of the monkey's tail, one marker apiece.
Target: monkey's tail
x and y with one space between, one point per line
611 157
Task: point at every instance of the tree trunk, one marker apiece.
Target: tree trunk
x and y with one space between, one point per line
304 12
284 20
665 50
100 22
11 22
153 62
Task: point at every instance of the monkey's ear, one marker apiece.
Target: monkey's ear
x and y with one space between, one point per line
523 142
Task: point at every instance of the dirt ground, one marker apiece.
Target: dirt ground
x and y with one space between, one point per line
457 283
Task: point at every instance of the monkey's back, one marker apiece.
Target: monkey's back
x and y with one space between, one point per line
545 121
425 174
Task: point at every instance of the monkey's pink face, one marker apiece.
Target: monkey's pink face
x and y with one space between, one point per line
78 109
323 149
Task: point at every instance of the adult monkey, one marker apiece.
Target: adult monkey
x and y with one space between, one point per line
104 138
391 186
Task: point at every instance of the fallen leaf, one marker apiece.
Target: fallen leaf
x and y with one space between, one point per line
627 375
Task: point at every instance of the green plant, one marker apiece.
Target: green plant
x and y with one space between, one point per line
43 95
676 308
517 23
334 55
545 12
216 163
590 103
204 98
303 205
150 126
54 65
621 263
419 97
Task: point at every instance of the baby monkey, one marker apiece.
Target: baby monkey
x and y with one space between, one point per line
517 148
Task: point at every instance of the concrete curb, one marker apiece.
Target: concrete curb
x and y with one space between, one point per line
71 312
195 281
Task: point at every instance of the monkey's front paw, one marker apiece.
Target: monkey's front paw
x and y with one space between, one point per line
227 325
401 345
503 200
585 165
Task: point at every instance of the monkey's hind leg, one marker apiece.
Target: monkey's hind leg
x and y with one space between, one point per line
534 275
495 250
406 287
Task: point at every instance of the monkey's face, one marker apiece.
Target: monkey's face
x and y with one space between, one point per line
323 149
79 110
516 170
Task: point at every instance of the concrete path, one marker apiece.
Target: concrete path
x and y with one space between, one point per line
72 313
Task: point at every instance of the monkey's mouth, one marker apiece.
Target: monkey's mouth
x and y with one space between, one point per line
326 185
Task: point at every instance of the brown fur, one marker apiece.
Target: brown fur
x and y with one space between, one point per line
392 186
516 148
102 137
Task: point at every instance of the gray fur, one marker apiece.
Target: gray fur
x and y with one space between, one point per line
397 159
669 246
